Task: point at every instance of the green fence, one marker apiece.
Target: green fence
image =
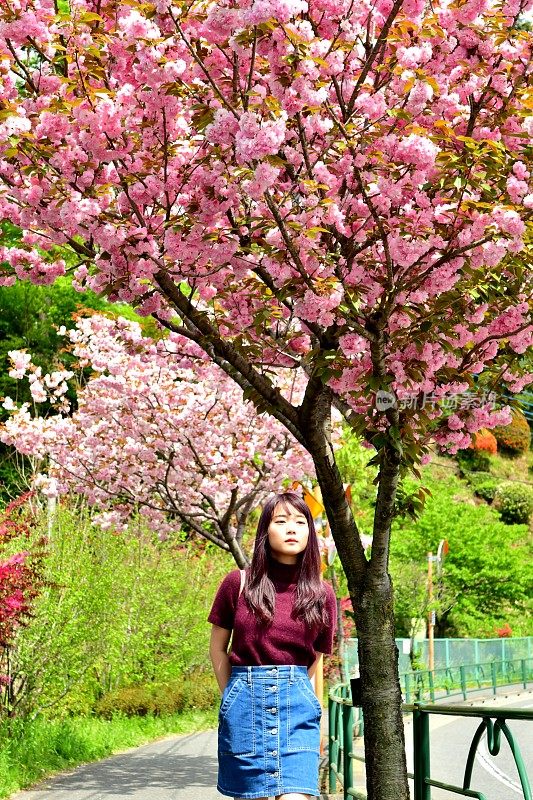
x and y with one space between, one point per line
461 681
451 653
346 722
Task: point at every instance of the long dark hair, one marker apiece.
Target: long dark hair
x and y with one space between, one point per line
259 592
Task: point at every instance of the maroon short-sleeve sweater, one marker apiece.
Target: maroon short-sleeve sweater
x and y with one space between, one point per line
286 640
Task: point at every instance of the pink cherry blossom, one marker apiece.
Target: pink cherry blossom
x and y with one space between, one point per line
157 428
338 191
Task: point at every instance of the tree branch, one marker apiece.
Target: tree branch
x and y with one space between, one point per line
210 340
374 52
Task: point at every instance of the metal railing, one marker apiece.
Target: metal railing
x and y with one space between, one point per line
462 680
493 723
346 722
342 719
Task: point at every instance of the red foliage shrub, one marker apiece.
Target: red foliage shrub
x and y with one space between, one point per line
485 441
505 631
514 438
20 572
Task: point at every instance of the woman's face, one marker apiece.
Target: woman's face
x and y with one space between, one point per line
288 533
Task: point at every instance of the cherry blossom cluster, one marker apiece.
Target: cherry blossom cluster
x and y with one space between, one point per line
329 172
157 428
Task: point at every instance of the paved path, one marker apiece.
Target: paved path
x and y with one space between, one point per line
175 768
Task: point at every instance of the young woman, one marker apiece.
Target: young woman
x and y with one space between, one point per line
281 618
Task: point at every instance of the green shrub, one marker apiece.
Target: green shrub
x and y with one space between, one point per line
138 701
120 611
515 438
487 489
470 460
473 478
514 501
199 692
483 484
131 701
202 691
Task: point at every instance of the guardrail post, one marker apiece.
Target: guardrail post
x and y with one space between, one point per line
524 672
462 673
347 728
494 677
333 744
421 754
431 685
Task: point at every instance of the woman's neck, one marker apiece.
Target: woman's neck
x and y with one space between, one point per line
281 571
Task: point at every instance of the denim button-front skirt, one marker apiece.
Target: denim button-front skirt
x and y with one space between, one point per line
268 733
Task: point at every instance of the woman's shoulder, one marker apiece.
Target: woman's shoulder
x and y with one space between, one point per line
231 580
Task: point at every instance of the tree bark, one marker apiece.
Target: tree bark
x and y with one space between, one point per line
372 599
386 769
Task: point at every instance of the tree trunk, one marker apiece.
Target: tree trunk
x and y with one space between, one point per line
386 769
372 599
370 589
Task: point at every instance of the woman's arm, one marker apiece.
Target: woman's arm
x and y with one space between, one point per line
218 653
312 669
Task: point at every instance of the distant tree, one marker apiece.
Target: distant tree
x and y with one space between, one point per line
29 318
486 576
157 428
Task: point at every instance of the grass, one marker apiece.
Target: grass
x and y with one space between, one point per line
32 751
513 468
501 466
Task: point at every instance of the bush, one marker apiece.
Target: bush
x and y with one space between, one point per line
487 489
132 701
515 438
514 502
138 701
484 484
120 612
201 692
485 441
470 460
160 699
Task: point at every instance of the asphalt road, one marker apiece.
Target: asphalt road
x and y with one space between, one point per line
175 768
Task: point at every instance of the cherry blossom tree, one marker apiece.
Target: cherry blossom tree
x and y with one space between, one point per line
334 187
158 428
